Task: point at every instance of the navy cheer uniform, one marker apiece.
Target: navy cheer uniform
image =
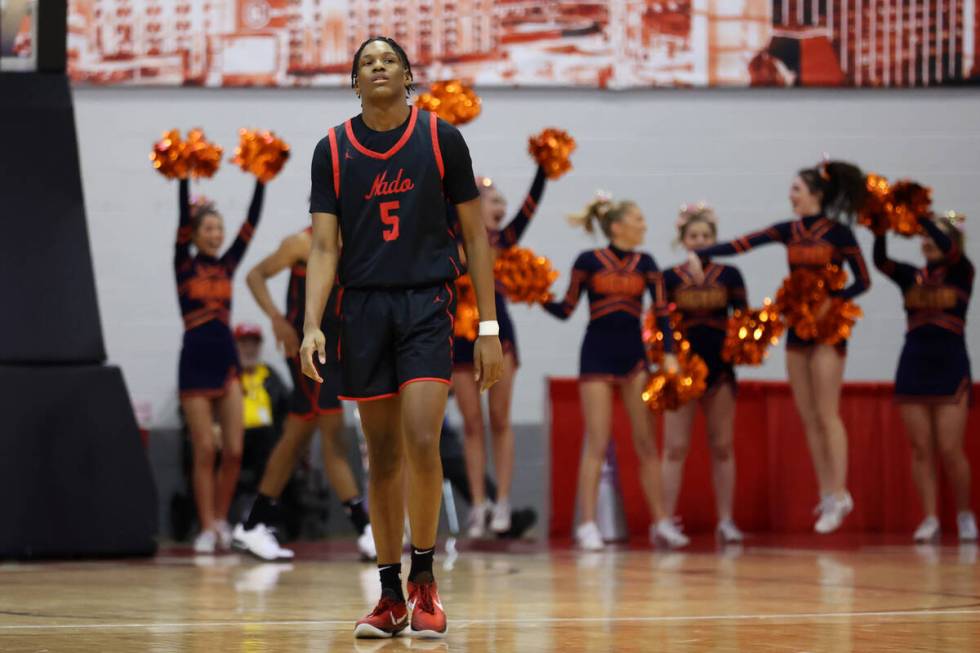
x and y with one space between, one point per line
208 357
934 366
613 347
813 241
703 309
501 239
309 398
399 259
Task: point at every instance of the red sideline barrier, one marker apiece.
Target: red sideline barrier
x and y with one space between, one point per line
776 488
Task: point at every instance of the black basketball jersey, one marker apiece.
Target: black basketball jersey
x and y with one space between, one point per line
392 209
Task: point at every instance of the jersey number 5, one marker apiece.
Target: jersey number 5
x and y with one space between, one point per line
389 219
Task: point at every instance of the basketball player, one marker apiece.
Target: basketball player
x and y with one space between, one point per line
380 182
311 407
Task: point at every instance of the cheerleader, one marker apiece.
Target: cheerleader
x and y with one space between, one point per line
466 388
703 307
825 199
209 367
932 385
613 355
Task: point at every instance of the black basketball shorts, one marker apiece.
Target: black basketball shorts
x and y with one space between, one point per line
392 337
310 399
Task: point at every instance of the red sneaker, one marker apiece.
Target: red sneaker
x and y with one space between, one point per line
388 618
428 617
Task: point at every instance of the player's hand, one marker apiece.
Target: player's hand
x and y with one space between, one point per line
287 340
313 343
695 268
670 364
488 361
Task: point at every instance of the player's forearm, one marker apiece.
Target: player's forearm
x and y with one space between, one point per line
480 262
260 291
321 269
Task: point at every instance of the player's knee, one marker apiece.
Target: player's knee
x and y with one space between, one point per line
385 468
645 448
828 421
499 420
950 452
204 454
921 451
424 444
231 456
596 450
722 452
676 452
473 425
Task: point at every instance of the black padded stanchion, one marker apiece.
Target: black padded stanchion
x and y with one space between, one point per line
73 472
48 293
73 475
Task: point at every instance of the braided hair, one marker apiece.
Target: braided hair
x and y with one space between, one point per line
398 51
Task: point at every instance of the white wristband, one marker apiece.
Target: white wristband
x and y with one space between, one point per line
490 328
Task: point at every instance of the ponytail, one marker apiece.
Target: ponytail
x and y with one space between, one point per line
842 187
593 212
602 210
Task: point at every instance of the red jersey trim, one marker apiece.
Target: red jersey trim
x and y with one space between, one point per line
427 379
335 160
434 131
384 156
374 398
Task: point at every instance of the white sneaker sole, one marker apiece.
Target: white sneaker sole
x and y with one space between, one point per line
660 540
729 540
237 545
932 537
367 631
428 634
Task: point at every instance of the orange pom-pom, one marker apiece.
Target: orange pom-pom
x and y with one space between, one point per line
671 390
204 157
552 149
876 212
910 201
803 295
261 153
653 337
526 277
467 322
750 333
176 158
836 325
453 101
169 156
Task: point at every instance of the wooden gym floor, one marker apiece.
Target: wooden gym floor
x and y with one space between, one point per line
871 594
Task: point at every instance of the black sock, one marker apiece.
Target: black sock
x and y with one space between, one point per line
356 513
421 571
264 511
391 581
